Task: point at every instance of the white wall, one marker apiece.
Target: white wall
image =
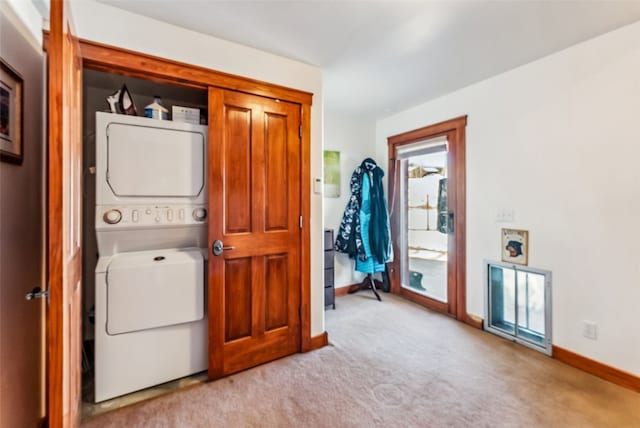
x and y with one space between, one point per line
558 141
29 19
102 23
354 138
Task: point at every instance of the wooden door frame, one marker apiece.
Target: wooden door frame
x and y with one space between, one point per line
102 57
64 248
112 59
54 319
454 130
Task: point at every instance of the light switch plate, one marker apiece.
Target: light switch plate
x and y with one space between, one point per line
505 215
317 186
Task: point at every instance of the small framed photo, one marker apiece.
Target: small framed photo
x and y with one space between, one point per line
515 246
11 114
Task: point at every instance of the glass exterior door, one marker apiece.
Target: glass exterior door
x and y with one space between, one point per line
427 188
424 223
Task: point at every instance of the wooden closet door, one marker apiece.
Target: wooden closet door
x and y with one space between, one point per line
254 210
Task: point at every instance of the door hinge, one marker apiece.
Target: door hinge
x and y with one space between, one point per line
300 222
300 130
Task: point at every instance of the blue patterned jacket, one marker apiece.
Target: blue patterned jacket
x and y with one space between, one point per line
349 239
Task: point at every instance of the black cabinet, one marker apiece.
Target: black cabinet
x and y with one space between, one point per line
329 290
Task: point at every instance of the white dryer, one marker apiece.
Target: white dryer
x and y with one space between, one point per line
151 230
151 184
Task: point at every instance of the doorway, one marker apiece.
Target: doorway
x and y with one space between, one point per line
98 257
427 206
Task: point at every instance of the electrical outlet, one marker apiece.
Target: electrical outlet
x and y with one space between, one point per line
590 330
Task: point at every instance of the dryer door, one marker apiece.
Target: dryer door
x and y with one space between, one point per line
153 161
154 289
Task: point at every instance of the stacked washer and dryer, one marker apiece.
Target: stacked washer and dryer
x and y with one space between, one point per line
151 231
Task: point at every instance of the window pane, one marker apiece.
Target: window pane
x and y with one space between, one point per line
531 314
518 304
424 199
502 283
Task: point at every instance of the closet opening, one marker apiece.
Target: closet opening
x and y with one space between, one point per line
97 88
191 195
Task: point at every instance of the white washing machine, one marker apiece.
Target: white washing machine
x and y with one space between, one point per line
151 231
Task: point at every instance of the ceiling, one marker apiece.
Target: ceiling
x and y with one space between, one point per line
379 57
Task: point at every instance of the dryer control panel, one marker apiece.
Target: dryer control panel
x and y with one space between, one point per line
138 216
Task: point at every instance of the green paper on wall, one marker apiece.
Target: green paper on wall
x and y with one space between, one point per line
331 174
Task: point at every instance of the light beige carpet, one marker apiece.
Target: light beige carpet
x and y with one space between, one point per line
395 364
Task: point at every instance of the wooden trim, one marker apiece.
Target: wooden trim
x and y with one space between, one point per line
473 321
55 309
460 124
216 324
113 59
394 220
425 301
454 130
596 368
305 211
430 131
319 341
343 291
64 252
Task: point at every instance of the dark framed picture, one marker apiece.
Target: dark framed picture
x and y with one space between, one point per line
515 246
11 114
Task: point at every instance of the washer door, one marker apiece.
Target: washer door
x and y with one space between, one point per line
154 289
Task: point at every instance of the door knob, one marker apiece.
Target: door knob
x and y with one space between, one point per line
218 248
36 293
